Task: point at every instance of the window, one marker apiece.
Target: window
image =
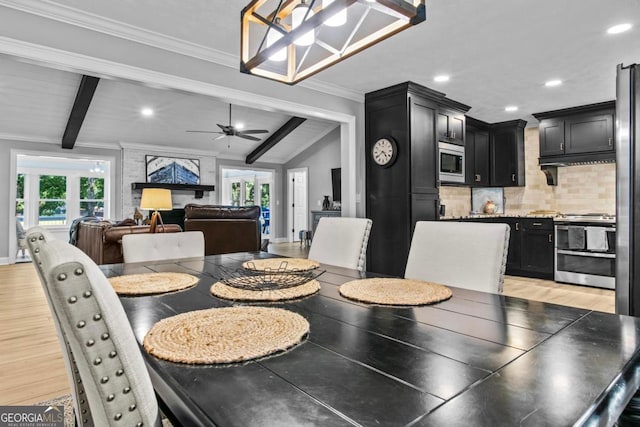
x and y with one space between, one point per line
248 193
92 197
53 200
235 194
20 198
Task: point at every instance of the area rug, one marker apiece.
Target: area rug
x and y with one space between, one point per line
281 264
152 283
233 293
225 335
395 291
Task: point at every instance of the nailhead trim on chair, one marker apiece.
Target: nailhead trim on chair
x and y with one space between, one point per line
362 260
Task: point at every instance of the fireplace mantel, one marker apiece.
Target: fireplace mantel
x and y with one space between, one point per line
198 189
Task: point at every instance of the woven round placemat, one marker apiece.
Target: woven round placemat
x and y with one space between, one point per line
395 291
222 290
152 283
281 264
225 335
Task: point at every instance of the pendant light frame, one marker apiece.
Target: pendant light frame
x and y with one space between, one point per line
402 14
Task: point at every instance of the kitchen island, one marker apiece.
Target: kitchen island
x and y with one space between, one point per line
476 359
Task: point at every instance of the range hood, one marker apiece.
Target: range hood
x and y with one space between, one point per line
549 165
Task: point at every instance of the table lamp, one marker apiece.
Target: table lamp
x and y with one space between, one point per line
158 199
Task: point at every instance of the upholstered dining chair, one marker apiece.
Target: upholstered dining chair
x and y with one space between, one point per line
159 246
341 241
109 380
462 254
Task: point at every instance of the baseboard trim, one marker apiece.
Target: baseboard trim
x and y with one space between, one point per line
279 240
5 260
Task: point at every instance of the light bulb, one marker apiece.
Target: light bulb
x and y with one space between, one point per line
297 16
273 36
336 20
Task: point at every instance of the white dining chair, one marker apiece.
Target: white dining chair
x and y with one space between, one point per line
462 254
160 246
341 242
109 380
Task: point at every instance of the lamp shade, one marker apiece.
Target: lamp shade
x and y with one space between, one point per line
156 199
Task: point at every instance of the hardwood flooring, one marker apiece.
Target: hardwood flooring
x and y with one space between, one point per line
31 364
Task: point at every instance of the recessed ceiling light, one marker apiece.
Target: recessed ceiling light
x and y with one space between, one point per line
552 83
239 125
441 79
621 28
511 108
147 112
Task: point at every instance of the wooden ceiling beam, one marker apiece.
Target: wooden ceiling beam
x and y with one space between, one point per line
84 96
275 137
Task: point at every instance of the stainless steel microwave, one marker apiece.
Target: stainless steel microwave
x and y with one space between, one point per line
451 163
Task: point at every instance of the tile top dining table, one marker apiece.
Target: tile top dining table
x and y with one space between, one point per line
477 359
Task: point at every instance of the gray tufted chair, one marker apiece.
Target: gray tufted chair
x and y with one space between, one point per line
111 385
341 242
463 254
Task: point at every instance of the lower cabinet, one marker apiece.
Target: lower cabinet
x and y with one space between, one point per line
316 215
531 245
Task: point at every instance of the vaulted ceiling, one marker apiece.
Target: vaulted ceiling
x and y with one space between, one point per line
496 52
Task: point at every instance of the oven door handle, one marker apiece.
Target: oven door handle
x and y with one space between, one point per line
566 227
586 254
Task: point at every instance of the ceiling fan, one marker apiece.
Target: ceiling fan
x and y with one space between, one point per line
230 130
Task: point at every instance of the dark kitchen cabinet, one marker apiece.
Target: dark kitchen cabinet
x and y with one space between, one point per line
405 191
507 154
578 134
451 126
477 148
537 247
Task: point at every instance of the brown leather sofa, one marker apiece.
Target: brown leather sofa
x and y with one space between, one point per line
226 229
102 241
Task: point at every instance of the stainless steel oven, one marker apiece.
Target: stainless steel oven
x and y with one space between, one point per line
585 252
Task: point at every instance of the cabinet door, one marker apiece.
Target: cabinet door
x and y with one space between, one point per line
515 247
424 169
443 126
451 127
551 137
589 133
537 252
481 159
504 172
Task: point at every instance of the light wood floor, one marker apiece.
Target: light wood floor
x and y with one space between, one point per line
31 365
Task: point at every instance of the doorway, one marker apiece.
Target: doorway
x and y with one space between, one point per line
297 195
250 187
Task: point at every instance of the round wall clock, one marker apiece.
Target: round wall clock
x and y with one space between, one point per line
384 151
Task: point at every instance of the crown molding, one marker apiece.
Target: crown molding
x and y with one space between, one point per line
72 16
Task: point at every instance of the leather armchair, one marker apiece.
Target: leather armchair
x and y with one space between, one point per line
226 229
102 241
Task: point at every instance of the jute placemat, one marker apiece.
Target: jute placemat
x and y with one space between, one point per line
225 335
281 264
152 283
395 291
221 290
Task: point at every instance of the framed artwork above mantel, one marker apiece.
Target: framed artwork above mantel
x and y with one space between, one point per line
172 170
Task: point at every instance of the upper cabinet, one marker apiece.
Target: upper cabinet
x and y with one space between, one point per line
494 153
451 125
580 134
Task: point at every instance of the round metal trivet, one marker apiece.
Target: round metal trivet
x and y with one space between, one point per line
225 335
395 291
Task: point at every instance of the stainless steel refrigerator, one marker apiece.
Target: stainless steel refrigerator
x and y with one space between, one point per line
628 190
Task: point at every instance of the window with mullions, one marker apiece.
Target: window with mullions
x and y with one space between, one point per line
92 197
20 198
53 200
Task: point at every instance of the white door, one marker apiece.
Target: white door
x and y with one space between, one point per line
298 205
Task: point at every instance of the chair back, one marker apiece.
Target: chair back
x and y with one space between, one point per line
341 241
110 382
462 254
161 246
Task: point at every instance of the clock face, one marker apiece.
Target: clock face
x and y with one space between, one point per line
384 151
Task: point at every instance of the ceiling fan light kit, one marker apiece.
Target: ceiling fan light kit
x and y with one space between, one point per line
300 38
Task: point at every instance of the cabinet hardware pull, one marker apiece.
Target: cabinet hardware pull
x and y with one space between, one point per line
550 238
610 142
478 177
454 135
513 177
537 224
517 226
562 145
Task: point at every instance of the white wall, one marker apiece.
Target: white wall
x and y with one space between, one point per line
320 158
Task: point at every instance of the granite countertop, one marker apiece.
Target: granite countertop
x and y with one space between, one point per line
471 216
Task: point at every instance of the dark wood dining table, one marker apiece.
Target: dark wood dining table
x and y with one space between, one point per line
477 359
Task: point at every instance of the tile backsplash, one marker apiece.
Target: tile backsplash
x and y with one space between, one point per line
580 189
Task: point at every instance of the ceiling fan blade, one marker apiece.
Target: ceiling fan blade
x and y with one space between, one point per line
247 137
219 137
204 131
250 131
223 127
